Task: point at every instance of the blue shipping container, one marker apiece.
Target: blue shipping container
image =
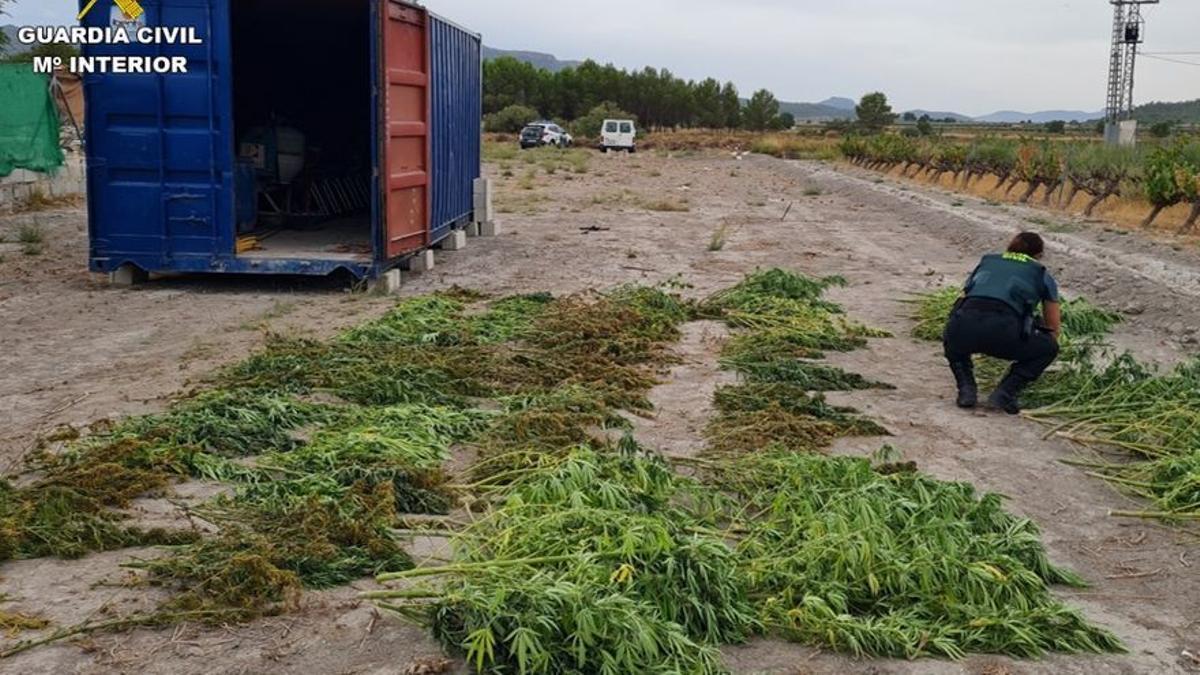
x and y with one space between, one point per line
382 128
457 98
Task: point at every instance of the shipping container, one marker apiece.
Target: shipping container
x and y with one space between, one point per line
457 116
355 124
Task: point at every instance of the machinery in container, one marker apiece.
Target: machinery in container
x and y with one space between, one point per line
307 137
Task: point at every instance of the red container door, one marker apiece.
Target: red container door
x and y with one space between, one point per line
406 128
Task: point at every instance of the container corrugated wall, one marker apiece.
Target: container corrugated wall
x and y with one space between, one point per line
160 148
456 135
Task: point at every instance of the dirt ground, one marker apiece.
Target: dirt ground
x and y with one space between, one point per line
73 350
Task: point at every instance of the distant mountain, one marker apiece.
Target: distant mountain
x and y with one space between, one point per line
840 102
1187 112
536 59
816 111
1016 117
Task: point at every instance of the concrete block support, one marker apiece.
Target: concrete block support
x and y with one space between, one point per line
485 224
421 262
128 275
483 200
472 229
457 241
387 283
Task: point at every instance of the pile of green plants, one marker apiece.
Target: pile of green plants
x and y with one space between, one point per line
603 558
757 415
267 549
784 325
600 560
1149 417
902 565
580 552
876 561
69 506
46 520
324 443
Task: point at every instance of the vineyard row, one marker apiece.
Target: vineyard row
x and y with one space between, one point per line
1164 175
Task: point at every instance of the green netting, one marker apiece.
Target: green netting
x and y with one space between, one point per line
28 121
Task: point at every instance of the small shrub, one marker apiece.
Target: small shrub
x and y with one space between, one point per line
666 206
495 151
509 120
720 237
31 233
589 125
32 238
527 181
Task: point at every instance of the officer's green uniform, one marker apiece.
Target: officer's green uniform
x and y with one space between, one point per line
997 318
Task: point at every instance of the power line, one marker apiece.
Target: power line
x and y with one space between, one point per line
1171 53
1169 60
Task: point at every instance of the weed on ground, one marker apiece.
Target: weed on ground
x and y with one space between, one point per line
581 550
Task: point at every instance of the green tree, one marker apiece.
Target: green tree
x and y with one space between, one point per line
1161 129
1056 127
924 126
760 111
784 121
589 125
508 81
910 117
707 98
874 113
510 120
656 97
731 106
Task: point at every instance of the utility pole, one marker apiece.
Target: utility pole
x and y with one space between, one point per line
1128 32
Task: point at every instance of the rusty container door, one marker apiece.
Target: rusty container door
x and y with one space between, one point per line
405 122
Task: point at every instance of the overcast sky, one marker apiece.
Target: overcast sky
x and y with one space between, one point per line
969 56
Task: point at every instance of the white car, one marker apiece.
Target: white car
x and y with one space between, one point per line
618 135
545 133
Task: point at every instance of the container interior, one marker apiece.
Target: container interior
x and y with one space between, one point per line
302 124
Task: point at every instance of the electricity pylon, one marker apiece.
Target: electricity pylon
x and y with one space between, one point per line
1128 33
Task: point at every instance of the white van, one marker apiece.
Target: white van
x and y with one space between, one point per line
618 135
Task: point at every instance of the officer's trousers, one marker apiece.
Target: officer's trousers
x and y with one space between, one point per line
995 330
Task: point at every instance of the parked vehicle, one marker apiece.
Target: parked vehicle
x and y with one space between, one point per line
545 133
618 135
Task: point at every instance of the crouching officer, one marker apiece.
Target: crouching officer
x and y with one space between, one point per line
997 316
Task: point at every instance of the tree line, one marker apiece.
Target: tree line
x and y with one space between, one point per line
655 97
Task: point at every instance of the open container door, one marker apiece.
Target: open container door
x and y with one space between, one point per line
405 127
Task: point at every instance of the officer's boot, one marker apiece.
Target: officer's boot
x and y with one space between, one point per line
964 375
1006 397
